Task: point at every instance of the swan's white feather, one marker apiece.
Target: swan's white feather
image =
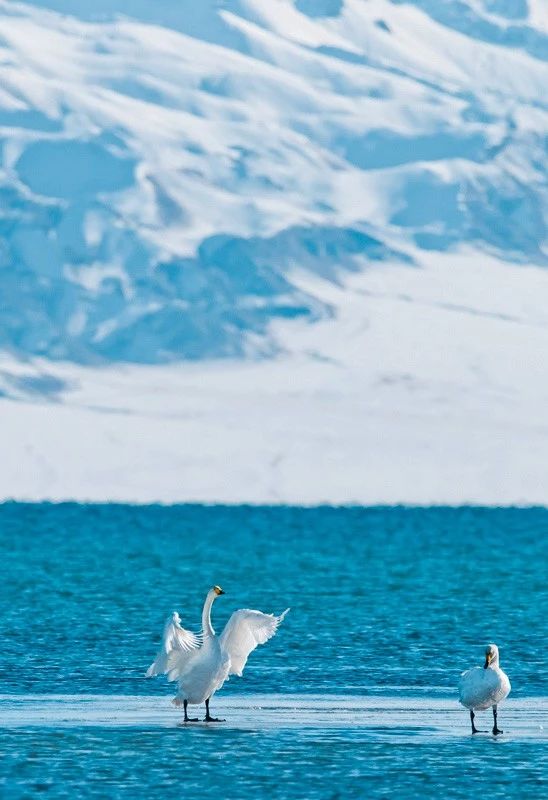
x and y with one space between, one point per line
244 631
202 674
177 644
481 688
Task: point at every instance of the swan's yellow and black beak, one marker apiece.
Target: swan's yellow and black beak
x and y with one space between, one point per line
488 658
218 590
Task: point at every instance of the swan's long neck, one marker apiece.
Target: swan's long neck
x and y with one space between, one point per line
206 615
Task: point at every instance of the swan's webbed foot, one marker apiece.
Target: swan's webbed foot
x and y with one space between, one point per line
187 718
208 717
496 729
474 729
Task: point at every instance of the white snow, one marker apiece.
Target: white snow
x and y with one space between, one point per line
538 14
174 181
427 386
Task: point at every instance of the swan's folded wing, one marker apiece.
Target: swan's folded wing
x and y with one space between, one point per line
481 688
243 632
177 642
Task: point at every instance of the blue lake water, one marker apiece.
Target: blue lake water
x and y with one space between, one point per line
355 696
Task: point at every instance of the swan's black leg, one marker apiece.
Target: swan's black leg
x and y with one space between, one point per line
496 729
208 717
474 729
187 718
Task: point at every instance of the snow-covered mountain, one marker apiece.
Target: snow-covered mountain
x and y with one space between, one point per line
338 209
167 164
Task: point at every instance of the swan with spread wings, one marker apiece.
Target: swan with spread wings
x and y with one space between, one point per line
202 663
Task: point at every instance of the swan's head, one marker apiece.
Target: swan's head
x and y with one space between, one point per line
491 656
176 617
217 591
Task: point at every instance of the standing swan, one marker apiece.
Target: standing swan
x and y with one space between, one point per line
203 663
482 687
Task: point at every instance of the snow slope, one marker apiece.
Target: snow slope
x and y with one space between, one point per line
274 250
426 387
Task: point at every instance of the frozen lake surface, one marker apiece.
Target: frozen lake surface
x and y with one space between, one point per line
279 745
375 717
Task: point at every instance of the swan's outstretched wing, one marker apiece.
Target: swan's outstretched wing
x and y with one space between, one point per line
176 642
243 632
